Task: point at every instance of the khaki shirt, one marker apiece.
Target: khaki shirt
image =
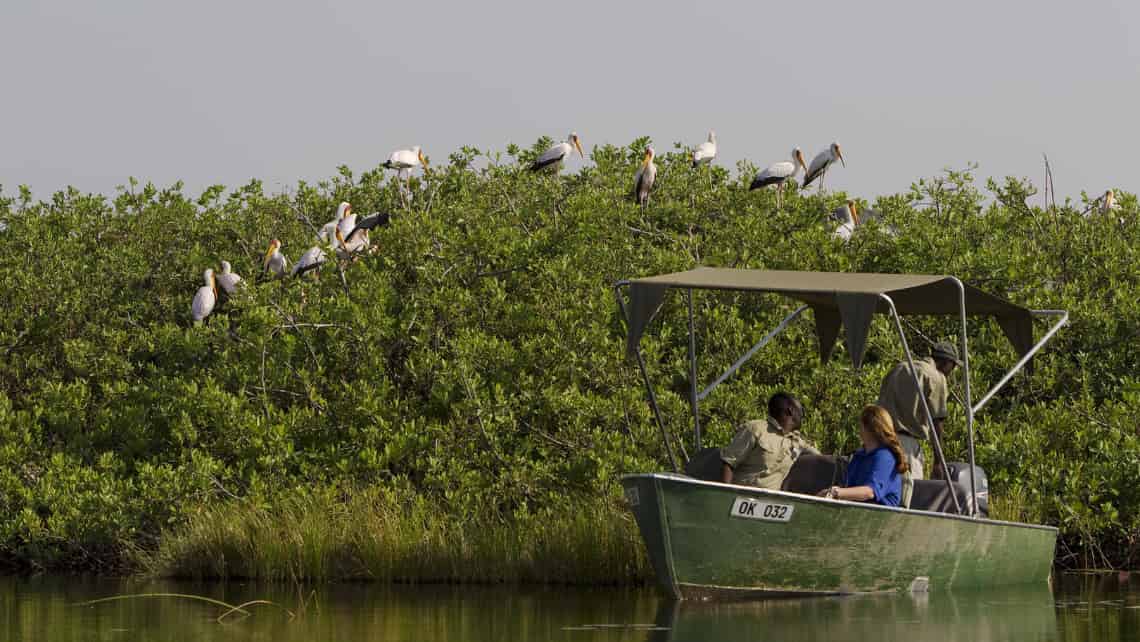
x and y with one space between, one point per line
761 455
899 396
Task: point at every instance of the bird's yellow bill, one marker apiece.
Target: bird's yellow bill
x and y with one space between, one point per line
854 213
268 255
578 144
423 161
840 155
648 157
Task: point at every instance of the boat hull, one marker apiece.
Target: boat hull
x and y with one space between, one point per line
708 540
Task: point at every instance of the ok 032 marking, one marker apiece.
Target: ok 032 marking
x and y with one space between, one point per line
748 508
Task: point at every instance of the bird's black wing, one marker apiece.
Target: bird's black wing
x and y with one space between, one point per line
759 182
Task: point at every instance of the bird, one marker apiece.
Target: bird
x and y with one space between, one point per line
821 162
204 299
275 261
406 159
403 160
848 217
228 279
325 235
370 222
1108 201
363 228
345 248
777 173
345 219
311 260
705 152
643 180
554 156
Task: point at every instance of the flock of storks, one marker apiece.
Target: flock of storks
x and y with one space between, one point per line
351 235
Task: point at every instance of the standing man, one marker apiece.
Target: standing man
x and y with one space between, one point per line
762 452
900 397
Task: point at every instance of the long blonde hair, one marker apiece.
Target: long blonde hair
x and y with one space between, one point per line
878 422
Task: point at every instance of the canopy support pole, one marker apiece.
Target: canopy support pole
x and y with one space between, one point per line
1028 355
973 503
693 398
752 351
648 383
937 443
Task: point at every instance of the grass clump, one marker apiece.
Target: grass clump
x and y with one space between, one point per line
370 534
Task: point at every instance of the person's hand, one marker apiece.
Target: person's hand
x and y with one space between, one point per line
830 493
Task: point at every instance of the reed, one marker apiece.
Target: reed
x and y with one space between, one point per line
373 535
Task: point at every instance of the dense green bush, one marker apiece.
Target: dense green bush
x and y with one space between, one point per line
475 356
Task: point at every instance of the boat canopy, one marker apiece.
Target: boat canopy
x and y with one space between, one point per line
838 299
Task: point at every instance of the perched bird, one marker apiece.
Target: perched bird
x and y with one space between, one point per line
369 223
777 173
204 299
345 249
358 238
821 162
848 217
1108 201
405 159
554 156
325 235
346 220
643 180
275 262
311 260
705 152
228 279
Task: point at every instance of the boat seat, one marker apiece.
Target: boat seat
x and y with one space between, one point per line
705 464
812 473
934 496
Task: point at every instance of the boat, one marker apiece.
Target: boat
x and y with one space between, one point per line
709 540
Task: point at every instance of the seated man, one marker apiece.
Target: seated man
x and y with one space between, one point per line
762 452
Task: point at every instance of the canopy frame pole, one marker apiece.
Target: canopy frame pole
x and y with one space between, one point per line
648 384
752 351
936 442
693 398
1062 322
973 503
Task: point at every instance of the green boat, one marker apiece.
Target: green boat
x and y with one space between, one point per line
711 540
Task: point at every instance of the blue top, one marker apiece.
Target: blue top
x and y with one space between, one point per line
877 470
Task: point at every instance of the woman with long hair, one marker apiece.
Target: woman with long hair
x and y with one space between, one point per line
876 471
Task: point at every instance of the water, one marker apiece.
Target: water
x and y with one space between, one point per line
1086 608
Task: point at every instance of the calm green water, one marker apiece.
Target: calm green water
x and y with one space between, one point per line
1092 608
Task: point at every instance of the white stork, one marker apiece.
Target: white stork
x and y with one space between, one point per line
643 180
228 279
821 162
275 261
777 173
705 152
204 299
554 156
1108 201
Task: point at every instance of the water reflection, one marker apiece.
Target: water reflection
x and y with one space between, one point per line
1085 608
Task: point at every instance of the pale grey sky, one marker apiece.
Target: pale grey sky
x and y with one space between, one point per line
221 91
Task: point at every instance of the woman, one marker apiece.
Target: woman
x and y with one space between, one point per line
876 470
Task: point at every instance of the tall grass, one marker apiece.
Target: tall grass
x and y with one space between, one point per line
373 535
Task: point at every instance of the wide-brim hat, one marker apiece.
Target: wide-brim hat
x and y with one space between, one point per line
946 350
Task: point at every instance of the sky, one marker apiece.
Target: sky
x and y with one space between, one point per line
223 91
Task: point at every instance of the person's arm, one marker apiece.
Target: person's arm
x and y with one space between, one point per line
726 473
742 443
872 487
851 494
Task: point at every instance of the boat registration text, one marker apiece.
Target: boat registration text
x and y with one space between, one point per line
756 509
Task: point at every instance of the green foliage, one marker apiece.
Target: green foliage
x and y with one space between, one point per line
474 359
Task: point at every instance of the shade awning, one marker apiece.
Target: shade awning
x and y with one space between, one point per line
837 299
